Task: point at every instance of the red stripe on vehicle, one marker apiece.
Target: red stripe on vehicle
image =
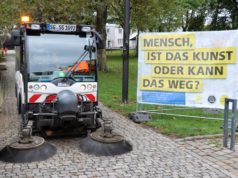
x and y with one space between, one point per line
34 98
91 97
50 98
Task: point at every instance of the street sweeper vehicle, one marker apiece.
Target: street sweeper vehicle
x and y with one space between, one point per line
56 77
56 88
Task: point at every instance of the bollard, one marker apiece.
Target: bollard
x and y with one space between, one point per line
226 120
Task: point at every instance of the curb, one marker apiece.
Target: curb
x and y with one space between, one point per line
200 137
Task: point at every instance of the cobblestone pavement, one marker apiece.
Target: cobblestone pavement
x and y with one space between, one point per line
153 155
9 122
211 149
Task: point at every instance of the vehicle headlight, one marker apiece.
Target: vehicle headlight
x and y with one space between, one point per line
89 86
36 87
83 87
43 87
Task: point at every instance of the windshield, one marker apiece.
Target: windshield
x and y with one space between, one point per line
51 56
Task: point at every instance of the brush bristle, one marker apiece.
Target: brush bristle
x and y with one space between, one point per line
40 153
92 147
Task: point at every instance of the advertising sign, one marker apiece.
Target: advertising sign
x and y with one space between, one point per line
197 69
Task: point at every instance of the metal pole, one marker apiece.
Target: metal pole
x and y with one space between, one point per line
126 51
233 125
225 126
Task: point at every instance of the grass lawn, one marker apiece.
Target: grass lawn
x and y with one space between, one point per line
110 87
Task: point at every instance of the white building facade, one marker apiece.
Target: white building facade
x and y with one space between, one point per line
115 37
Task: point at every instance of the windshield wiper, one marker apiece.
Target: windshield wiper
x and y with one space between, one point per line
69 72
88 49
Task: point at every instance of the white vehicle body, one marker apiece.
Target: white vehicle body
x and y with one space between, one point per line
37 91
54 88
19 87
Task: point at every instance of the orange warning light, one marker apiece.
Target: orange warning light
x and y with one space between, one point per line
25 19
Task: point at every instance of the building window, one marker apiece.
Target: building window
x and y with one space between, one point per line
108 30
109 44
120 30
119 41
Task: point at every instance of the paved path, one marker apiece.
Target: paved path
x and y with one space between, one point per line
9 121
153 155
211 149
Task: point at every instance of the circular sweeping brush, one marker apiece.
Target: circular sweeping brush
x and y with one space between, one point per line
105 142
24 152
93 147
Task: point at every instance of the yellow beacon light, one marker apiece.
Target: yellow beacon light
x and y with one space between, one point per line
25 19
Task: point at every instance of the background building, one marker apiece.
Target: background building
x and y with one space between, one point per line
115 37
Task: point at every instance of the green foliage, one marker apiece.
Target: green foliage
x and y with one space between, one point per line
8 11
166 16
224 15
189 15
202 15
152 15
56 11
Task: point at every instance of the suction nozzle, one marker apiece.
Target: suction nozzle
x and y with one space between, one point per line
105 142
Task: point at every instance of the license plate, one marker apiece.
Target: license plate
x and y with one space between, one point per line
61 27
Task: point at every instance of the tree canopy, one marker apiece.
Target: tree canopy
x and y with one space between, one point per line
150 15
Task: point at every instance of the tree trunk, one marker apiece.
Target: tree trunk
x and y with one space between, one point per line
185 22
102 55
215 19
137 43
101 20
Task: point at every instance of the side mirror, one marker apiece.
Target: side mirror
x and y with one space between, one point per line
89 48
15 37
99 41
